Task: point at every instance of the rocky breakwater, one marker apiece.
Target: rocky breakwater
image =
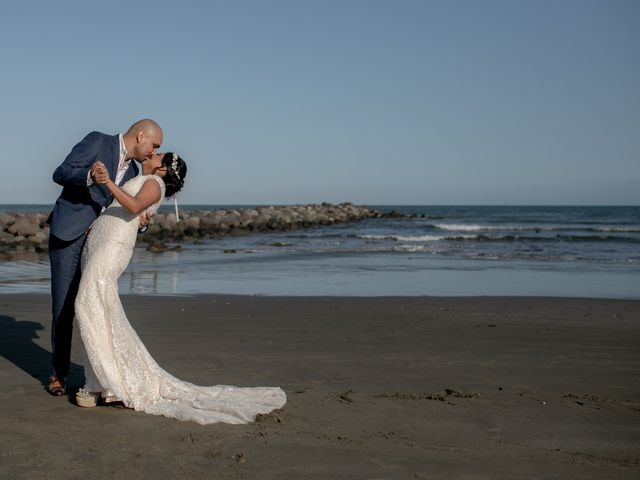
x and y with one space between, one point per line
207 224
30 233
23 232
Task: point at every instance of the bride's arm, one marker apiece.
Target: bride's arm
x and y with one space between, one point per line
146 196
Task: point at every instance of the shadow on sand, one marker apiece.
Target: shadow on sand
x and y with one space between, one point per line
18 346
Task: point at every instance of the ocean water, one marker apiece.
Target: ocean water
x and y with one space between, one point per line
444 250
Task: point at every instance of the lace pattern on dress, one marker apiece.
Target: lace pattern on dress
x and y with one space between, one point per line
116 362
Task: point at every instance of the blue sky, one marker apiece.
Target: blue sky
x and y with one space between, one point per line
378 102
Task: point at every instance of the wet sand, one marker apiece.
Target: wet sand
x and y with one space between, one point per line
397 388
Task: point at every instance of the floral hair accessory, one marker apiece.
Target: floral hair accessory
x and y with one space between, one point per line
174 165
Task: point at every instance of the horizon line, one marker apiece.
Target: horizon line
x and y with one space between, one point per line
382 204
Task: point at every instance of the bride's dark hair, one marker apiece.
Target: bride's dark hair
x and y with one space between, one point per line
176 171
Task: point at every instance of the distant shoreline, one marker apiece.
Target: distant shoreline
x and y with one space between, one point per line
458 251
43 207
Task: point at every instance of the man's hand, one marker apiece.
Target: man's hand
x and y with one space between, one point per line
99 173
144 222
92 172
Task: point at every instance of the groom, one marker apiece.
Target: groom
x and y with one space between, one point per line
81 201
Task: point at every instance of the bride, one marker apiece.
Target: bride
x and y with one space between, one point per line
118 367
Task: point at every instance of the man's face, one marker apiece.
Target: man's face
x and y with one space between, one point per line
147 144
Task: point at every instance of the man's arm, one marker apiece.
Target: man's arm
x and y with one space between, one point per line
76 168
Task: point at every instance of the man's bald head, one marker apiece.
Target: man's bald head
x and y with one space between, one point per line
143 139
146 125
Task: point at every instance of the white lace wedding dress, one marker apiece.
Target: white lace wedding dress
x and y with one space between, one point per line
117 364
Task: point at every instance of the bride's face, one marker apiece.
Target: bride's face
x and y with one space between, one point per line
154 165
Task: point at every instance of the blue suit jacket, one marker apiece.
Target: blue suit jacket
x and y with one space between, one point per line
79 205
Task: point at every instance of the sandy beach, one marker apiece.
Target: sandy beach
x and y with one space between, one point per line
378 388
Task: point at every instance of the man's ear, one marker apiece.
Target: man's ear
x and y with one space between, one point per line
140 136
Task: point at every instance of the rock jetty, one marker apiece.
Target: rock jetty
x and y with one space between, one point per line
29 232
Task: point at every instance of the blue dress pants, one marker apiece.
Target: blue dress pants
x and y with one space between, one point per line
64 257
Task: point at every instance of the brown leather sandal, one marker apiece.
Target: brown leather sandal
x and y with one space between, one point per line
55 387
